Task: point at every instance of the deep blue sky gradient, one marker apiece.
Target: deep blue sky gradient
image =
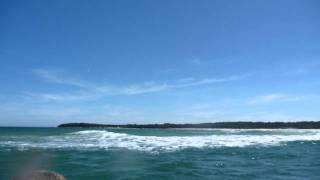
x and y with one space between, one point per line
158 61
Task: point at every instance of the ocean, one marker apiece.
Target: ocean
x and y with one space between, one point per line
114 153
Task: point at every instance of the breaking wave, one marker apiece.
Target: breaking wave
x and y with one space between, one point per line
102 139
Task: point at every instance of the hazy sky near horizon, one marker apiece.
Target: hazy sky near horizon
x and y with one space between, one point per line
142 61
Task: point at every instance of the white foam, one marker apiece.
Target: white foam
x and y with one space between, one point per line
102 139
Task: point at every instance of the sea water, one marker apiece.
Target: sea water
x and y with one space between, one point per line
162 153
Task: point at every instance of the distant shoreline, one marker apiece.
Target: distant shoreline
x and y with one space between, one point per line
217 125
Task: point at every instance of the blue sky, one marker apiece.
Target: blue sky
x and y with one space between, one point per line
177 61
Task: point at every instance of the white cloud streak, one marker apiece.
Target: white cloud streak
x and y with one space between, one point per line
96 91
275 97
196 61
270 117
61 97
59 79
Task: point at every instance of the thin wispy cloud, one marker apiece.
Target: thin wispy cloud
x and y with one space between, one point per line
63 97
269 117
308 68
98 90
59 78
168 70
297 67
202 113
57 112
196 61
275 97
185 80
210 81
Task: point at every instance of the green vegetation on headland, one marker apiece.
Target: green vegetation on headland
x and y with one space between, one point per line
226 125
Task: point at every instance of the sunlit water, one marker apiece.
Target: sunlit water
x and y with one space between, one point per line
162 153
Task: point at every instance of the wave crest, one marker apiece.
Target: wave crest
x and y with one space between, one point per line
102 139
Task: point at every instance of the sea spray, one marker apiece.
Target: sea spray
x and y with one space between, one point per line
107 140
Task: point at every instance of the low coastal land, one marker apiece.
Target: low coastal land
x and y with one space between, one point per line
217 125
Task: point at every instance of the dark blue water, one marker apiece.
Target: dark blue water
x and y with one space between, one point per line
161 154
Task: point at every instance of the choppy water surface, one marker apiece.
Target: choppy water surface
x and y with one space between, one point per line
162 153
